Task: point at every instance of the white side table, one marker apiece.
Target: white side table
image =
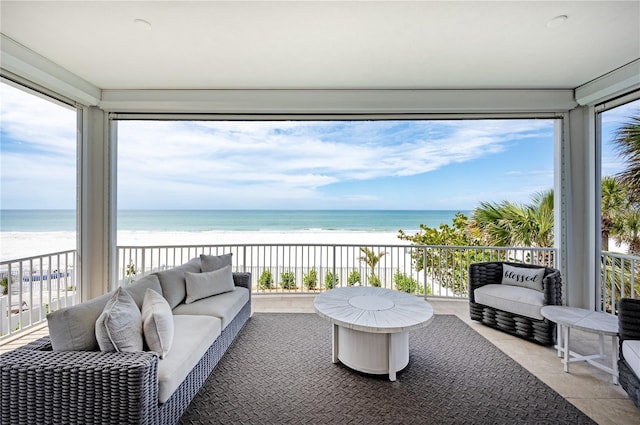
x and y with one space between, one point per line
597 322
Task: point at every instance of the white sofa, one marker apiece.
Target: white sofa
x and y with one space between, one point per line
67 378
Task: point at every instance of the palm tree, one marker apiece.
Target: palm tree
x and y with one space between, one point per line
489 222
509 224
626 225
539 231
371 259
613 200
626 229
627 143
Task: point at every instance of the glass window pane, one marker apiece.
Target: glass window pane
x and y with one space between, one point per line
38 174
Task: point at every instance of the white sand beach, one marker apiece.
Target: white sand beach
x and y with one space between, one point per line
16 245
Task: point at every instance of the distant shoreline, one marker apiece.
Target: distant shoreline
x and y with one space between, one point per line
15 245
235 220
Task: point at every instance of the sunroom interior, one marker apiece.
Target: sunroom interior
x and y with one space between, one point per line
267 60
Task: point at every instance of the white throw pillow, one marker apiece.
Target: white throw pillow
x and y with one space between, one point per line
203 285
521 276
119 326
157 322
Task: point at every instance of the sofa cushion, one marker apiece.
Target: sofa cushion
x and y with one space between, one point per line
206 284
192 338
225 306
173 283
514 299
119 326
157 323
138 289
631 354
523 276
74 328
210 263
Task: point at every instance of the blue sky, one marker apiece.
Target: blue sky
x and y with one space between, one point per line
612 120
332 165
282 165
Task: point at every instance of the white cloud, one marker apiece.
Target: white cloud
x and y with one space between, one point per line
292 160
36 123
38 151
199 164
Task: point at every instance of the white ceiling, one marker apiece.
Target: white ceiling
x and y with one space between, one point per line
329 45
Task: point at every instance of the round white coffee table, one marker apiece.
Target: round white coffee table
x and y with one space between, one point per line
371 326
602 324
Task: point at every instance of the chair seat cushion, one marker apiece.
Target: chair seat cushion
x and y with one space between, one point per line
193 335
224 306
514 299
631 353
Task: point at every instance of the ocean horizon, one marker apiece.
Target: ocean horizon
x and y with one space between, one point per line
235 220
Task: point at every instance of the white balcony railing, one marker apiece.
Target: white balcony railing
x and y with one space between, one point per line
620 278
439 271
34 286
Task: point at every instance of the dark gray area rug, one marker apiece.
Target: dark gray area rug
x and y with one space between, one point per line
279 371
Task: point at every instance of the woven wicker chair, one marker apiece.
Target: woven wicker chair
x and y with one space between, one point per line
629 328
539 331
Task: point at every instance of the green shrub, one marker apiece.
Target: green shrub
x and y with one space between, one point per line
407 284
288 280
310 280
131 271
266 280
330 281
353 278
374 280
4 286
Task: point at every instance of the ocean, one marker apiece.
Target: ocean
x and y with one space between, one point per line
234 220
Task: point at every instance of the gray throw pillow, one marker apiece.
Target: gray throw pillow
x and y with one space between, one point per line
206 284
138 289
157 323
214 262
173 283
522 276
119 327
74 328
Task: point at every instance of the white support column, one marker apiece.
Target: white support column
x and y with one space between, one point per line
561 197
96 241
583 245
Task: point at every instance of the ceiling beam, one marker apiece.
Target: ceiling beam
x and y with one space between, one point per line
337 101
37 69
612 84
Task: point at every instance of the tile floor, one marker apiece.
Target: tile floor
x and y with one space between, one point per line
588 388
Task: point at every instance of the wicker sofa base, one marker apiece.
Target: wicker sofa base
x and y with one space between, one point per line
629 382
171 411
538 331
40 386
